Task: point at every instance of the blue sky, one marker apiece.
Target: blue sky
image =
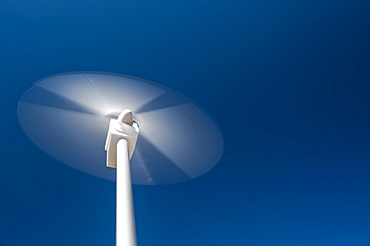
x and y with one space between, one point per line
292 77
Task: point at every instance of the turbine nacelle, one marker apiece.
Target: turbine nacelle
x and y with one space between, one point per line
126 117
124 127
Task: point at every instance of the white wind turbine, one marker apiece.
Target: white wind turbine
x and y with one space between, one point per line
155 135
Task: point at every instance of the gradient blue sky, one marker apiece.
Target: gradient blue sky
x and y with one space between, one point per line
287 81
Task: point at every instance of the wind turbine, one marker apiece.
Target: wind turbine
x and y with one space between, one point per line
152 135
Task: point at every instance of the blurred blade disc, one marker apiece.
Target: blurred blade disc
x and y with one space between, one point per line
68 116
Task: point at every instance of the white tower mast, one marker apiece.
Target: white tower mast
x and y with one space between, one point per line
120 145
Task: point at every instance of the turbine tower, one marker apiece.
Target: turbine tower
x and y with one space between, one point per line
120 145
166 138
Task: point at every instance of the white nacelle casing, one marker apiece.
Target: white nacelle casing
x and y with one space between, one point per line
117 131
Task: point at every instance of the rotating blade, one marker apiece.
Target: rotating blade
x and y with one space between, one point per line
104 93
184 135
71 137
45 97
160 171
